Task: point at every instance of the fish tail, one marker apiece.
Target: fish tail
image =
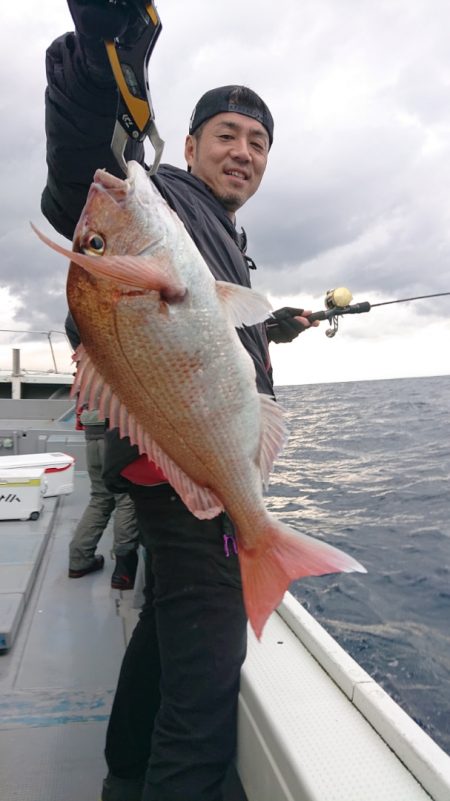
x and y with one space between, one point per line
281 556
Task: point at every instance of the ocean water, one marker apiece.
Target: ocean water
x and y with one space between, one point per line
367 468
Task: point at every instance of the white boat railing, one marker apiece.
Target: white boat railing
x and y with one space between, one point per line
17 375
47 334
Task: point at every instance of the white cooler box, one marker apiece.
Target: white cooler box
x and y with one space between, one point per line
21 493
59 469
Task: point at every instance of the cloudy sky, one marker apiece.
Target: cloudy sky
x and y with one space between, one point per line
356 194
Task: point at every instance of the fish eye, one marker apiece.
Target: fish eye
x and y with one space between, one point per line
95 245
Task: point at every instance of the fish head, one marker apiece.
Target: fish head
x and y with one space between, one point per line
122 244
122 250
121 215
125 244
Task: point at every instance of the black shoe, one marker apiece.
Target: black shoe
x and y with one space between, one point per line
97 564
115 789
125 571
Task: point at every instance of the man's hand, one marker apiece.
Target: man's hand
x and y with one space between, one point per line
102 19
287 323
97 21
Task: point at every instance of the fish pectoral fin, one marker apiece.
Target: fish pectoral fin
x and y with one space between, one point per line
139 272
274 432
243 305
134 271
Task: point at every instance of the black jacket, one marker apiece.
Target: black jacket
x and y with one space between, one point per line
80 117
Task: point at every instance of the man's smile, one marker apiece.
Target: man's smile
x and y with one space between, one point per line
240 174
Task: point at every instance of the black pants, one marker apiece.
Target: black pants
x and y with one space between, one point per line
175 709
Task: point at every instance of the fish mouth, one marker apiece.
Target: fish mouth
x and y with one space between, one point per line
135 187
117 188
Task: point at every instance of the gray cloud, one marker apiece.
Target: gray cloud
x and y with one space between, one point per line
356 189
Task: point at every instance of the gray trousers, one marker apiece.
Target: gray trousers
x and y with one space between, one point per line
98 512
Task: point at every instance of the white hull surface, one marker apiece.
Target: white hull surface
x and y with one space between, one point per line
314 726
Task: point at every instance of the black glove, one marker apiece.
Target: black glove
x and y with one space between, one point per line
101 19
282 327
97 20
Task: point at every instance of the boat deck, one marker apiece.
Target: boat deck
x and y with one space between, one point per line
57 681
58 677
313 725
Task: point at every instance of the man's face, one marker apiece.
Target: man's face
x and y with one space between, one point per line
230 156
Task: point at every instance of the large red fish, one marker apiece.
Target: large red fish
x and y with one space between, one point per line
162 360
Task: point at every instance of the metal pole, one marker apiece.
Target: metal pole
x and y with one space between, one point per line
16 361
51 348
15 378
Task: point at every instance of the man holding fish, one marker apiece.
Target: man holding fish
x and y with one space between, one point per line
159 289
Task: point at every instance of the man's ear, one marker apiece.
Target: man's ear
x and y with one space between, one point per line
189 149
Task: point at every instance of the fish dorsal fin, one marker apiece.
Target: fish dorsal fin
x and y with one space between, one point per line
243 305
273 435
97 394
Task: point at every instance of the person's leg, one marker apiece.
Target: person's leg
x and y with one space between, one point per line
199 624
201 629
126 531
96 515
126 543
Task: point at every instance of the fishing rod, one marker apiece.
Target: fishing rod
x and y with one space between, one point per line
337 302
